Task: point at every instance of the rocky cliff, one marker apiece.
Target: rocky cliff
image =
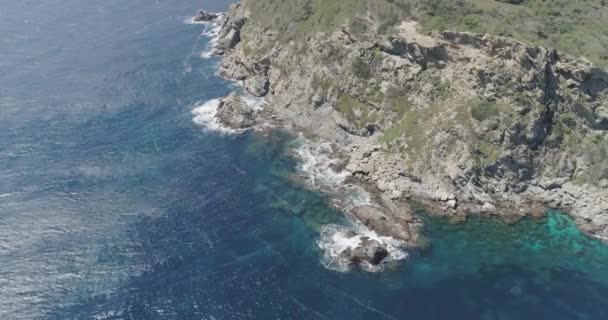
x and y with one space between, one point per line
458 122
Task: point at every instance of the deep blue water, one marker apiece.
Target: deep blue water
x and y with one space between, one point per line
114 204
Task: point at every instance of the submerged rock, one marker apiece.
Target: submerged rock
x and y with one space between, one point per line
235 113
204 16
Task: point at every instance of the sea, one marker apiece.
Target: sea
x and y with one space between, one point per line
121 198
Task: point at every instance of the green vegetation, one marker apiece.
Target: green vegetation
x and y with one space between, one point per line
595 149
576 27
416 126
361 69
300 18
483 110
409 128
321 83
399 106
486 154
565 124
355 111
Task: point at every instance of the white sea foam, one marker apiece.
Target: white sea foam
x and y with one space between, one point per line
601 238
317 165
334 240
204 115
255 103
212 31
190 20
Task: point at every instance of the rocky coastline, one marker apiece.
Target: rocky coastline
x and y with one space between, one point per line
490 125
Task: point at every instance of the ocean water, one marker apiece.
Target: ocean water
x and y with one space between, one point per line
116 204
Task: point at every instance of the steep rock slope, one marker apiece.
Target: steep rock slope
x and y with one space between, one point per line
460 122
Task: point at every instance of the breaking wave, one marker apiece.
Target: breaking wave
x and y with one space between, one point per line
321 170
318 165
335 239
204 115
212 31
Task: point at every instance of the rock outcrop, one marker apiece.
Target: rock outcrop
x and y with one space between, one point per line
230 31
233 112
204 16
459 122
367 251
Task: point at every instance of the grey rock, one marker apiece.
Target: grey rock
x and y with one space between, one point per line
235 113
553 183
229 40
452 204
488 208
523 155
204 16
382 222
368 250
257 85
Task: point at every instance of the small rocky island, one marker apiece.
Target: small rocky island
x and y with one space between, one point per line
204 16
457 122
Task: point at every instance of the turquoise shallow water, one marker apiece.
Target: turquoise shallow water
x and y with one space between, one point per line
114 204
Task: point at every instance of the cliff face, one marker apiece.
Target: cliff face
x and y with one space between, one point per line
460 122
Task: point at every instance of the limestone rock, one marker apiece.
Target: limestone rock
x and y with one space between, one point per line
488 208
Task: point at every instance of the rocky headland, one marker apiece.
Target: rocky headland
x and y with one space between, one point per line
457 122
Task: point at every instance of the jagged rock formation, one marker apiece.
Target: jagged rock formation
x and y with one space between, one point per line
367 251
233 112
460 122
204 16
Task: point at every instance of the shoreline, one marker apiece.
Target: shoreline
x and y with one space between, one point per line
372 167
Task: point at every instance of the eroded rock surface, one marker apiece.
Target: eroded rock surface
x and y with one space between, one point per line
204 16
233 112
367 251
458 122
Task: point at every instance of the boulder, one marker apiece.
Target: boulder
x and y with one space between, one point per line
368 250
204 16
488 208
235 113
452 204
556 183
